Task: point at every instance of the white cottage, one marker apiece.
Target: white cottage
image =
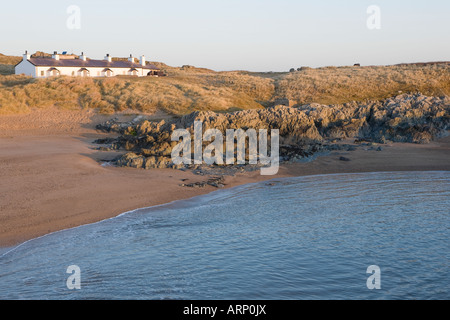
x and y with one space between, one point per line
81 66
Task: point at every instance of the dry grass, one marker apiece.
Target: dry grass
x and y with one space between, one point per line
7 64
187 89
176 95
333 85
6 69
12 60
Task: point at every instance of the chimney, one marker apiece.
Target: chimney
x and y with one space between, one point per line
131 59
83 57
26 56
142 60
55 55
108 57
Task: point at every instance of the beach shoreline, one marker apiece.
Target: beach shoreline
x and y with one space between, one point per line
52 177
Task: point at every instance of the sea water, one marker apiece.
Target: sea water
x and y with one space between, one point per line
296 238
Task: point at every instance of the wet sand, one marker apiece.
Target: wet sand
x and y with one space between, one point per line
52 179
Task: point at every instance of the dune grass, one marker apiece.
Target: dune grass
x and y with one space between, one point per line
332 85
176 95
9 60
187 89
6 69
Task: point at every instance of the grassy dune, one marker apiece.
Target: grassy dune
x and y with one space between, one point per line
176 94
333 85
7 64
188 88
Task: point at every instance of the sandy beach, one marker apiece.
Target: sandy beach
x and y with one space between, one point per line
52 179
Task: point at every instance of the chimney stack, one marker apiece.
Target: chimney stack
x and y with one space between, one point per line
55 55
142 60
26 56
83 57
108 57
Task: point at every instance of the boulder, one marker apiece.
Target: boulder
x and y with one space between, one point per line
131 160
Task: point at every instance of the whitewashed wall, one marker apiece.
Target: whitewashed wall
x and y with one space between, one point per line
25 67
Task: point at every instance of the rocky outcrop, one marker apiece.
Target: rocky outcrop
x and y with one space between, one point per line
218 182
304 130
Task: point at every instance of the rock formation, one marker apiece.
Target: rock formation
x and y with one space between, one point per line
304 130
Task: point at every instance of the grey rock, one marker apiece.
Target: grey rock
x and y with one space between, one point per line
303 129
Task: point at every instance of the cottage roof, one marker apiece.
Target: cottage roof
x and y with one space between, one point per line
44 62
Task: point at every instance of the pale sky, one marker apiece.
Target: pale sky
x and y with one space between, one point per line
255 35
